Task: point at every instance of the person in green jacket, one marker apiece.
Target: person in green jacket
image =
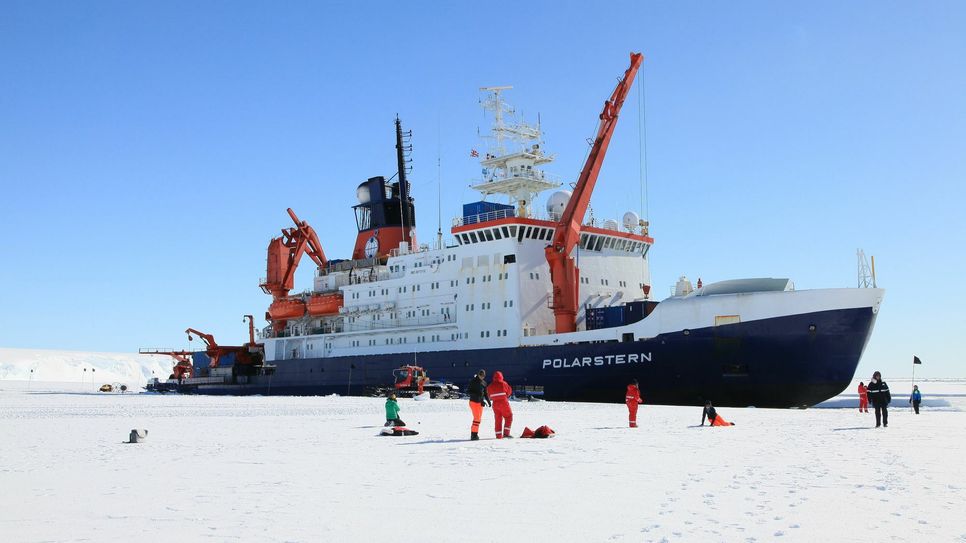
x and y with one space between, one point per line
392 412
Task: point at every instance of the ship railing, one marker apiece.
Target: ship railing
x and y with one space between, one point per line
521 173
485 217
346 265
366 326
161 350
424 248
361 276
217 380
503 214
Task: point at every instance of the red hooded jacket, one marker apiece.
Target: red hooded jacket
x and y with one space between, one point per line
499 390
633 394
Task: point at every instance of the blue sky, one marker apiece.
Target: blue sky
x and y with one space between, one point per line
148 150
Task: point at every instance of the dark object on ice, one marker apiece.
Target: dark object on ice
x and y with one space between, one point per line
397 431
474 436
137 436
540 433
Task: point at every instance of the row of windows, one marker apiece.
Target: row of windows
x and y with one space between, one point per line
436 337
488 305
501 232
594 242
604 282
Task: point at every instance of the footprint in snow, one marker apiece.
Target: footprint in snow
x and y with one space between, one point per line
779 533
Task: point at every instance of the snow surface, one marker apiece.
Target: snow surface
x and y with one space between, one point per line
314 469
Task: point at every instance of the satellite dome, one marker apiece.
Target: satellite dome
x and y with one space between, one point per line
558 202
610 224
362 193
631 221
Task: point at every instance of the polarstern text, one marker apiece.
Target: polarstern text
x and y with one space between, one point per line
587 361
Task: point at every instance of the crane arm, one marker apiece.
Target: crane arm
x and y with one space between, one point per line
207 338
311 241
285 252
563 271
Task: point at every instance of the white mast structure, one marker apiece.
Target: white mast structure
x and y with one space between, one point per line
866 275
510 164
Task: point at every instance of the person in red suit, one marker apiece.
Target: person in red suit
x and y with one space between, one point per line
500 392
633 399
863 398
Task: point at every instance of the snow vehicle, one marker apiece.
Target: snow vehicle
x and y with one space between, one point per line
412 381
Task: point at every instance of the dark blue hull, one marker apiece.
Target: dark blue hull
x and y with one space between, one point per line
791 361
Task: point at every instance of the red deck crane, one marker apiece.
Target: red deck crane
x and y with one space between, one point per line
284 254
563 270
244 355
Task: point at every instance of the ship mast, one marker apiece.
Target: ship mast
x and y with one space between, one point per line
511 164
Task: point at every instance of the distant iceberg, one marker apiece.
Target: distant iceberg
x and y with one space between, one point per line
80 370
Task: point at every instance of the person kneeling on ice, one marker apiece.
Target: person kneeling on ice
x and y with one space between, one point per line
633 399
500 392
392 412
714 419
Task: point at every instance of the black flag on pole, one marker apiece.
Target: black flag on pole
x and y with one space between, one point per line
915 360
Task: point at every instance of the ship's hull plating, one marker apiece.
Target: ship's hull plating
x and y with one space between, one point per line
789 361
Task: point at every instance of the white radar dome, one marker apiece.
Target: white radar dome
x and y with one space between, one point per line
610 224
558 202
631 221
362 193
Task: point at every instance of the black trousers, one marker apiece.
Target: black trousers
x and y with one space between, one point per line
915 405
881 415
394 422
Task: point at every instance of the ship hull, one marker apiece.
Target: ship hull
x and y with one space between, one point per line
788 361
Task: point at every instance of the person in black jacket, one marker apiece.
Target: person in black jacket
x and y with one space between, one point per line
880 397
478 397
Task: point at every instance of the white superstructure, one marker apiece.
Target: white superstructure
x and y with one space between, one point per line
490 286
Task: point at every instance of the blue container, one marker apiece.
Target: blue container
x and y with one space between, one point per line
201 360
604 317
473 210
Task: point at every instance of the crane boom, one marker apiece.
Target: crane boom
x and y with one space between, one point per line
284 254
563 271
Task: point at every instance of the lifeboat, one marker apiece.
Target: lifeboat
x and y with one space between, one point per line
285 309
324 304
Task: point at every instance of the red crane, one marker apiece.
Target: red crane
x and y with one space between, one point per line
244 355
182 367
284 254
563 271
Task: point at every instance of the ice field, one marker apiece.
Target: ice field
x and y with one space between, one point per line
313 469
